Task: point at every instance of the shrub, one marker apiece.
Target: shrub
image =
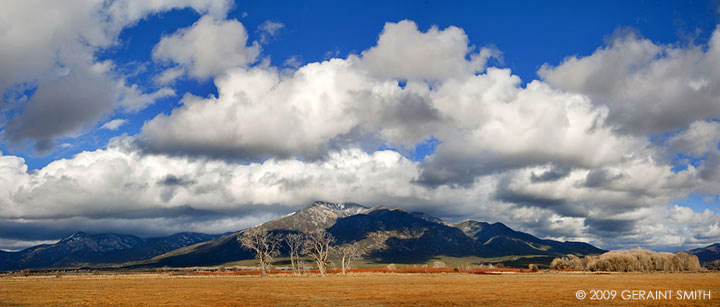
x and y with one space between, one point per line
571 262
25 272
636 260
532 267
499 265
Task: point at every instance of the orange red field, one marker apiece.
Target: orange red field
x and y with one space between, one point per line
407 270
357 289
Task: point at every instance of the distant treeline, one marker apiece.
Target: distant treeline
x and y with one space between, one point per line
636 260
713 265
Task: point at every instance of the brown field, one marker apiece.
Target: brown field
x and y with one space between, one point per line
361 289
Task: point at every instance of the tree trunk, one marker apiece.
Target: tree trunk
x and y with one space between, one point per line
321 266
263 270
343 265
292 262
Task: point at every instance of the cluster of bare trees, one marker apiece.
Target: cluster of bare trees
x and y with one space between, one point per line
317 245
636 260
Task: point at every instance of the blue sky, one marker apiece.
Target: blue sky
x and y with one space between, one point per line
614 118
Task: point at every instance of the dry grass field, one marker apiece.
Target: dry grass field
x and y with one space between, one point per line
359 289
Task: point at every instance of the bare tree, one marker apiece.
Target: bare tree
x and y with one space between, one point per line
348 253
265 245
635 260
317 246
295 242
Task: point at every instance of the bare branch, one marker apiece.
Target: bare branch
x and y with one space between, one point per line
317 245
348 253
295 243
263 243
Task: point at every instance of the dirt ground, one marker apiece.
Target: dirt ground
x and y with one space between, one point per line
361 289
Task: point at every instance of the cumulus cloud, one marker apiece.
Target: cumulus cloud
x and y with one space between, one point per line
501 126
650 88
55 59
670 227
701 137
72 102
404 52
260 113
62 106
340 101
205 49
95 184
125 12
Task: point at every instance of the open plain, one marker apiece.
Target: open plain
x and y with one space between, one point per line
358 289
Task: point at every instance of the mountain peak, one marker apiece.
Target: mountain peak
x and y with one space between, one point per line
318 215
471 227
337 206
78 235
501 226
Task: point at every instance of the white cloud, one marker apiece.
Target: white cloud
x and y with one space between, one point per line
120 186
120 180
321 105
404 52
113 124
126 12
701 137
294 61
56 57
169 75
205 49
260 114
668 228
501 126
650 88
17 245
268 30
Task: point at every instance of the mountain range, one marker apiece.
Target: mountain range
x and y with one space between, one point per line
84 250
707 254
386 234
